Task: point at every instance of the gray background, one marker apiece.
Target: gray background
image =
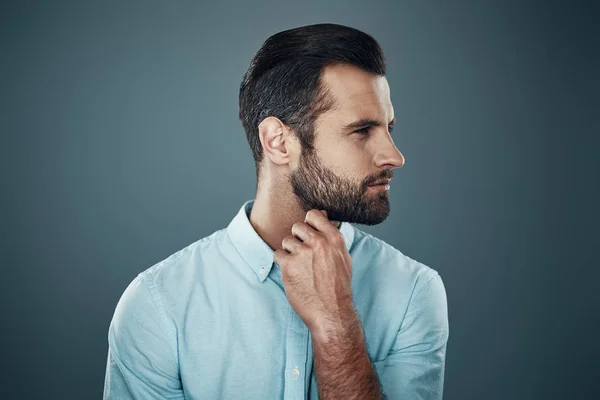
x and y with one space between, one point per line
121 145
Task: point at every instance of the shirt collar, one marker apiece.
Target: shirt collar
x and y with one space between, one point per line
254 250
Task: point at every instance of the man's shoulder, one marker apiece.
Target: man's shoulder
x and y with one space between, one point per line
166 286
387 260
185 264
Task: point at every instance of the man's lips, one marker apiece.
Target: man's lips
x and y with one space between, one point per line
384 182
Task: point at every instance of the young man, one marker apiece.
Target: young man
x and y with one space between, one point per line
290 300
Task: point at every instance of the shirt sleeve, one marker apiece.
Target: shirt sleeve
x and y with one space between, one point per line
414 367
141 362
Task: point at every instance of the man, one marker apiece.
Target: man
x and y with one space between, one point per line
290 300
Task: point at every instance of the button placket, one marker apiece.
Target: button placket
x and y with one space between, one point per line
295 373
296 355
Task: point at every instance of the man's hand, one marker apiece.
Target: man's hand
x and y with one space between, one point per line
316 270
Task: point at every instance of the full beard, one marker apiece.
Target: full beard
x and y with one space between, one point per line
317 187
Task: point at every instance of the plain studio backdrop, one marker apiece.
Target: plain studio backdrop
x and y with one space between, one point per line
121 145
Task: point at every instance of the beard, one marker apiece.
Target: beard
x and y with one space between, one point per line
317 187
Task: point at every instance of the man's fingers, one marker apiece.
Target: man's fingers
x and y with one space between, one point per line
280 257
318 220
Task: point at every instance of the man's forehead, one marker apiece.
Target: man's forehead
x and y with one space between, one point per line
352 89
367 101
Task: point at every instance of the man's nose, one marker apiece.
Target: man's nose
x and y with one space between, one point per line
390 156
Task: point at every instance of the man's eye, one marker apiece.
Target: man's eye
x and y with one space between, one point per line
365 130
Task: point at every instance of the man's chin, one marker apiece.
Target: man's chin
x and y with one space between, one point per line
368 211
377 212
370 217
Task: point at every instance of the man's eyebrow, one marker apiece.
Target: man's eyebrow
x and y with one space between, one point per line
366 122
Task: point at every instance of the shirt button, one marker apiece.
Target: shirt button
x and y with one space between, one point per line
263 270
295 373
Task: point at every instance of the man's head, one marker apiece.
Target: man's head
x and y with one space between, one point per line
316 108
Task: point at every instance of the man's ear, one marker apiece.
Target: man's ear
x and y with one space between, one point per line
275 139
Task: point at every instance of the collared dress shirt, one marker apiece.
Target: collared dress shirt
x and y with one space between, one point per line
212 321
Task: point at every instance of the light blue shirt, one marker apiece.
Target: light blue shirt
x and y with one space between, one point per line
212 321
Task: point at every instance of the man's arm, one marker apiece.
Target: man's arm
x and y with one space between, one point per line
414 367
142 361
342 364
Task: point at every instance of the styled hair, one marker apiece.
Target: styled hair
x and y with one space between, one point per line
283 79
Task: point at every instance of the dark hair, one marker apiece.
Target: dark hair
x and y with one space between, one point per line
283 79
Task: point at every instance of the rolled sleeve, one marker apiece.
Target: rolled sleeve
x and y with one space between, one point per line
141 362
414 367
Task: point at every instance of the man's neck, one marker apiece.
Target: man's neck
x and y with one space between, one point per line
272 217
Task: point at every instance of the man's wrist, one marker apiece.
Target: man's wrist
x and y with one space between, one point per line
344 329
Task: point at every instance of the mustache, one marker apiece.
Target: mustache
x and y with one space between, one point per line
387 175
